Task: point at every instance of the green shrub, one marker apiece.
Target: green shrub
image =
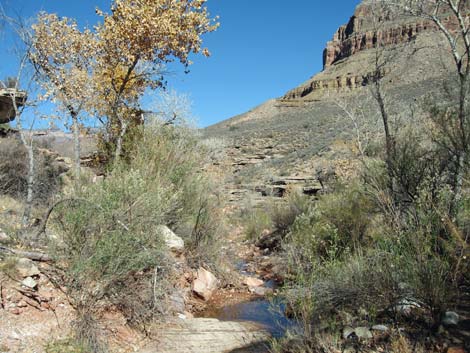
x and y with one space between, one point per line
339 264
64 346
337 224
283 215
109 243
255 221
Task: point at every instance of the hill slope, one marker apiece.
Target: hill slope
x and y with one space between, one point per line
290 135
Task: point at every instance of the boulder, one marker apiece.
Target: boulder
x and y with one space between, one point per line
7 111
172 241
205 284
27 268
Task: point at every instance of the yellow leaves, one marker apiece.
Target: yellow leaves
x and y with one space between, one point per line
157 30
106 71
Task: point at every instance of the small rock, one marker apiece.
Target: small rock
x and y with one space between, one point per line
3 237
348 331
15 311
363 332
381 328
253 282
450 318
188 315
29 282
205 284
441 330
172 241
182 316
261 291
405 306
27 268
22 304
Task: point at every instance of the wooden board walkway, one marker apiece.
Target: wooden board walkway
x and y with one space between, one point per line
201 335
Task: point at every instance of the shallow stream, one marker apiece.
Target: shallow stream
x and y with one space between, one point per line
262 311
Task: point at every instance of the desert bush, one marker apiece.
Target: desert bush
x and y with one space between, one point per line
255 221
110 247
336 224
68 345
215 148
340 262
283 215
374 282
14 172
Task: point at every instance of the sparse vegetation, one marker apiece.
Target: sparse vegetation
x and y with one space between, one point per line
370 223
110 243
14 172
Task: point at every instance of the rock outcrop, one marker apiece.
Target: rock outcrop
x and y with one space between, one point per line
7 110
348 57
371 27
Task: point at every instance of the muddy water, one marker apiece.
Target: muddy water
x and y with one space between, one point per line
268 314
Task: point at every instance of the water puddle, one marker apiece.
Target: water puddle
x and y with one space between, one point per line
267 313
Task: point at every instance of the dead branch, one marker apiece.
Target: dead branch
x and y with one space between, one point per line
32 255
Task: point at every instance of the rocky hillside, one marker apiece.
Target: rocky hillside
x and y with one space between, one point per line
293 135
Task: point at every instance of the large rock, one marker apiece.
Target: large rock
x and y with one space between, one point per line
27 268
205 284
7 111
172 241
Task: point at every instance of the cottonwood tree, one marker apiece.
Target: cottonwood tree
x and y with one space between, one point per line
451 127
135 40
64 56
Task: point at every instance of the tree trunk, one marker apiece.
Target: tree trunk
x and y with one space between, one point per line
120 138
389 144
30 178
76 141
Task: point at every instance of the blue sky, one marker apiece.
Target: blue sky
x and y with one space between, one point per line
262 49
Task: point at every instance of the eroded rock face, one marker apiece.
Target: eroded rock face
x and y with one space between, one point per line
347 58
7 111
371 27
